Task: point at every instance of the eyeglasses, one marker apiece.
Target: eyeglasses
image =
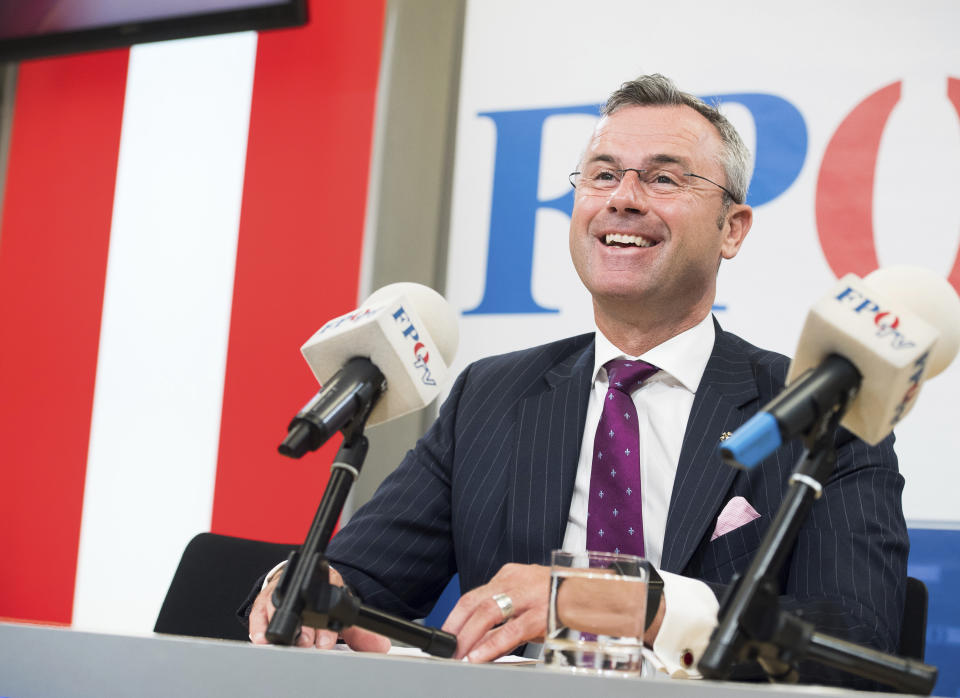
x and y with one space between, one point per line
659 183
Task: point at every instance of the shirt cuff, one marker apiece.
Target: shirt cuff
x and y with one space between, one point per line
690 617
272 573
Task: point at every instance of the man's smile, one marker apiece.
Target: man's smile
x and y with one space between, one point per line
625 240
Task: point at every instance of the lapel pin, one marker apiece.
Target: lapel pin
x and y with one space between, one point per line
726 435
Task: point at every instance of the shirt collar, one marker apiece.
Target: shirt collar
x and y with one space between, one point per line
682 357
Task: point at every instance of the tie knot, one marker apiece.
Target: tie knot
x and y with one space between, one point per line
627 374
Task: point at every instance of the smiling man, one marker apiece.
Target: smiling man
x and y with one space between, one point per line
526 454
646 228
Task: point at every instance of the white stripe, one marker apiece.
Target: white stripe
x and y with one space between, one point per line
166 312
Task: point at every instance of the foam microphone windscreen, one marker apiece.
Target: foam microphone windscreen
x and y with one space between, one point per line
407 330
895 348
930 296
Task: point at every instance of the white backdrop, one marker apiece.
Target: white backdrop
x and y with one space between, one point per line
824 59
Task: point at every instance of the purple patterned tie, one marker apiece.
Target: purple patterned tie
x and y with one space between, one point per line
614 515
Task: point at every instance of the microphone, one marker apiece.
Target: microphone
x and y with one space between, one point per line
387 358
868 344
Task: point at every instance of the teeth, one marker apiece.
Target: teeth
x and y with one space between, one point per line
628 240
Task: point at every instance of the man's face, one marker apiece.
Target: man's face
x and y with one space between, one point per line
684 243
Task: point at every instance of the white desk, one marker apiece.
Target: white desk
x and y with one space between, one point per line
48 662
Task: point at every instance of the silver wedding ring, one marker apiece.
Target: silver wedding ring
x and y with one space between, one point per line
505 603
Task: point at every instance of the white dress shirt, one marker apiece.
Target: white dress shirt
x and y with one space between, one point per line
663 405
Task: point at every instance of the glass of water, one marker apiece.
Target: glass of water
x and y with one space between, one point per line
598 604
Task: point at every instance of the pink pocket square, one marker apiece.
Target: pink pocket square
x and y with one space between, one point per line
737 513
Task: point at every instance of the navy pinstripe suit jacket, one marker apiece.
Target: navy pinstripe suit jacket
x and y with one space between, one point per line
491 483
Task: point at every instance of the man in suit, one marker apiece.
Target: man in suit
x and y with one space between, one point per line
505 474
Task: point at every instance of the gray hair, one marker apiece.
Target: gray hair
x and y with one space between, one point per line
657 90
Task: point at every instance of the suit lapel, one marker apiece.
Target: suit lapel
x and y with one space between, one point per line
702 479
549 430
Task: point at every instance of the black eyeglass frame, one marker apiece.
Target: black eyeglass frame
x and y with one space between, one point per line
624 171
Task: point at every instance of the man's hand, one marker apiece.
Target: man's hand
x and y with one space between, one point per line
357 638
608 605
475 618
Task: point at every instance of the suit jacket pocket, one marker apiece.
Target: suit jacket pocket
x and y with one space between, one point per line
732 551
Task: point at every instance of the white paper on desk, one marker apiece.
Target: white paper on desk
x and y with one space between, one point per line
415 652
653 668
396 651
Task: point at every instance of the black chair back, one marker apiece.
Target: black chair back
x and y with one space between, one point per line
215 575
913 629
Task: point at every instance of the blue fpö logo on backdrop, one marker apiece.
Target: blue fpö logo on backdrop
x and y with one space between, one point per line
843 204
780 151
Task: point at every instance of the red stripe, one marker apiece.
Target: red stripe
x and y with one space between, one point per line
844 203
953 93
298 259
53 257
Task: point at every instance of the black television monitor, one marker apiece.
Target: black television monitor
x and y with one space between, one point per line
34 28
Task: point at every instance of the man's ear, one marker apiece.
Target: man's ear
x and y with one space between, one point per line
736 225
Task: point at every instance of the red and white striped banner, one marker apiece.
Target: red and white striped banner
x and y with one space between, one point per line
171 234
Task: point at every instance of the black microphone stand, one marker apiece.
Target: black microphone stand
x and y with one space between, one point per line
305 596
752 624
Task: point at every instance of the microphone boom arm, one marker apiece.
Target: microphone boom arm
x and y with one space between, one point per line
752 626
305 596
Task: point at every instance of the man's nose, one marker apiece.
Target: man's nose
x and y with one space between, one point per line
630 194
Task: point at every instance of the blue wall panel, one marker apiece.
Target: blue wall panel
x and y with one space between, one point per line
935 560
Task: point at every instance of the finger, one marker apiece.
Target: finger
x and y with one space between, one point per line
504 639
485 616
364 640
325 639
486 636
260 614
465 608
501 640
537 638
335 577
305 637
